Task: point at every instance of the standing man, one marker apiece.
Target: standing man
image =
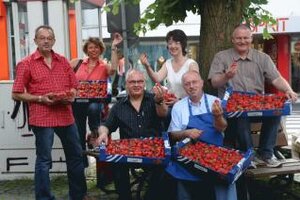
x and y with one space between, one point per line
137 115
39 76
246 69
197 116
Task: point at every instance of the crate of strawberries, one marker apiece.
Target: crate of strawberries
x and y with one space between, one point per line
248 104
212 161
150 150
93 91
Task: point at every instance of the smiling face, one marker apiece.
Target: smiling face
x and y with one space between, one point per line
193 84
174 47
135 83
44 39
242 39
93 50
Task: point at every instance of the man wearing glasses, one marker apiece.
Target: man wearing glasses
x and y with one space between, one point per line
39 76
137 115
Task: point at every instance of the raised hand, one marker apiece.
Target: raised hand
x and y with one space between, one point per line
117 39
217 108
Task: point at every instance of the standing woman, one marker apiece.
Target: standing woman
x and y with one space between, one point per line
92 68
175 67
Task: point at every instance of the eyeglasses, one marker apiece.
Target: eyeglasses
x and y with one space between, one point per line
139 82
45 38
190 83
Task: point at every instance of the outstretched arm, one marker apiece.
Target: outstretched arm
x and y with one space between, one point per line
156 77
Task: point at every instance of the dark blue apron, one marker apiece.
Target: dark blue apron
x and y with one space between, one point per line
210 135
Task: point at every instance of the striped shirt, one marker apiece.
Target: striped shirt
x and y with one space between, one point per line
133 124
36 78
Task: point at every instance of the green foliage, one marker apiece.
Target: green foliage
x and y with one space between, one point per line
256 15
168 12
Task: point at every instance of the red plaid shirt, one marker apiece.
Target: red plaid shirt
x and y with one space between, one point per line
34 77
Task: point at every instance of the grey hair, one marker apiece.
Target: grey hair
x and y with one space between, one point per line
132 70
241 27
188 72
49 28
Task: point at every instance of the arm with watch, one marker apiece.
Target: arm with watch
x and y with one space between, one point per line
160 105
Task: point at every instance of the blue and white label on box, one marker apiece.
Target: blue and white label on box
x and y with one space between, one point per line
286 110
103 156
205 172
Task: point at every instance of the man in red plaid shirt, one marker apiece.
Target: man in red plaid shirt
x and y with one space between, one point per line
47 83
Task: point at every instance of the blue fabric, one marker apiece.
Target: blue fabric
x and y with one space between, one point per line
82 112
240 129
211 135
70 141
181 113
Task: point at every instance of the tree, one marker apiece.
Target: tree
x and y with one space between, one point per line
218 19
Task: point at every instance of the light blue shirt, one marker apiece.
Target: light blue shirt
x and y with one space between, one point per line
180 111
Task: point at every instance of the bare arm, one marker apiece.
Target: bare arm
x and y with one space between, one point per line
103 135
26 97
219 80
188 133
156 77
281 84
111 68
74 62
194 67
43 99
220 122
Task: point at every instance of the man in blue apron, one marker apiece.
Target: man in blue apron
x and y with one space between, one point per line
197 116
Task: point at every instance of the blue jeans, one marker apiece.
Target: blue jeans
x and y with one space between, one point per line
190 190
75 170
239 129
82 112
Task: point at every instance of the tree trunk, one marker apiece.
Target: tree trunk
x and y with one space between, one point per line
218 19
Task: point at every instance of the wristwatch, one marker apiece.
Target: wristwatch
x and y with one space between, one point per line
159 102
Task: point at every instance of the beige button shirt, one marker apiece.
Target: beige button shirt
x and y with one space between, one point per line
252 71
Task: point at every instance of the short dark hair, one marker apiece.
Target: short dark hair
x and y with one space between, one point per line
93 40
43 27
178 36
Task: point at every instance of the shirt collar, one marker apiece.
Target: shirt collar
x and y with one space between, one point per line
198 104
37 55
236 56
146 95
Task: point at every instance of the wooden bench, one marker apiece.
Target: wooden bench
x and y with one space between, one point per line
290 166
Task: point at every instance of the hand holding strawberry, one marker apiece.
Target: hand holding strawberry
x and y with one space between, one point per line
217 108
144 60
232 70
192 133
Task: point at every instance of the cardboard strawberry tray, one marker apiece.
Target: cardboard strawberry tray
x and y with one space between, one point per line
248 104
93 91
211 161
152 150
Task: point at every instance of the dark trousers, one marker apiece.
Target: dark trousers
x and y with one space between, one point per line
155 179
82 112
